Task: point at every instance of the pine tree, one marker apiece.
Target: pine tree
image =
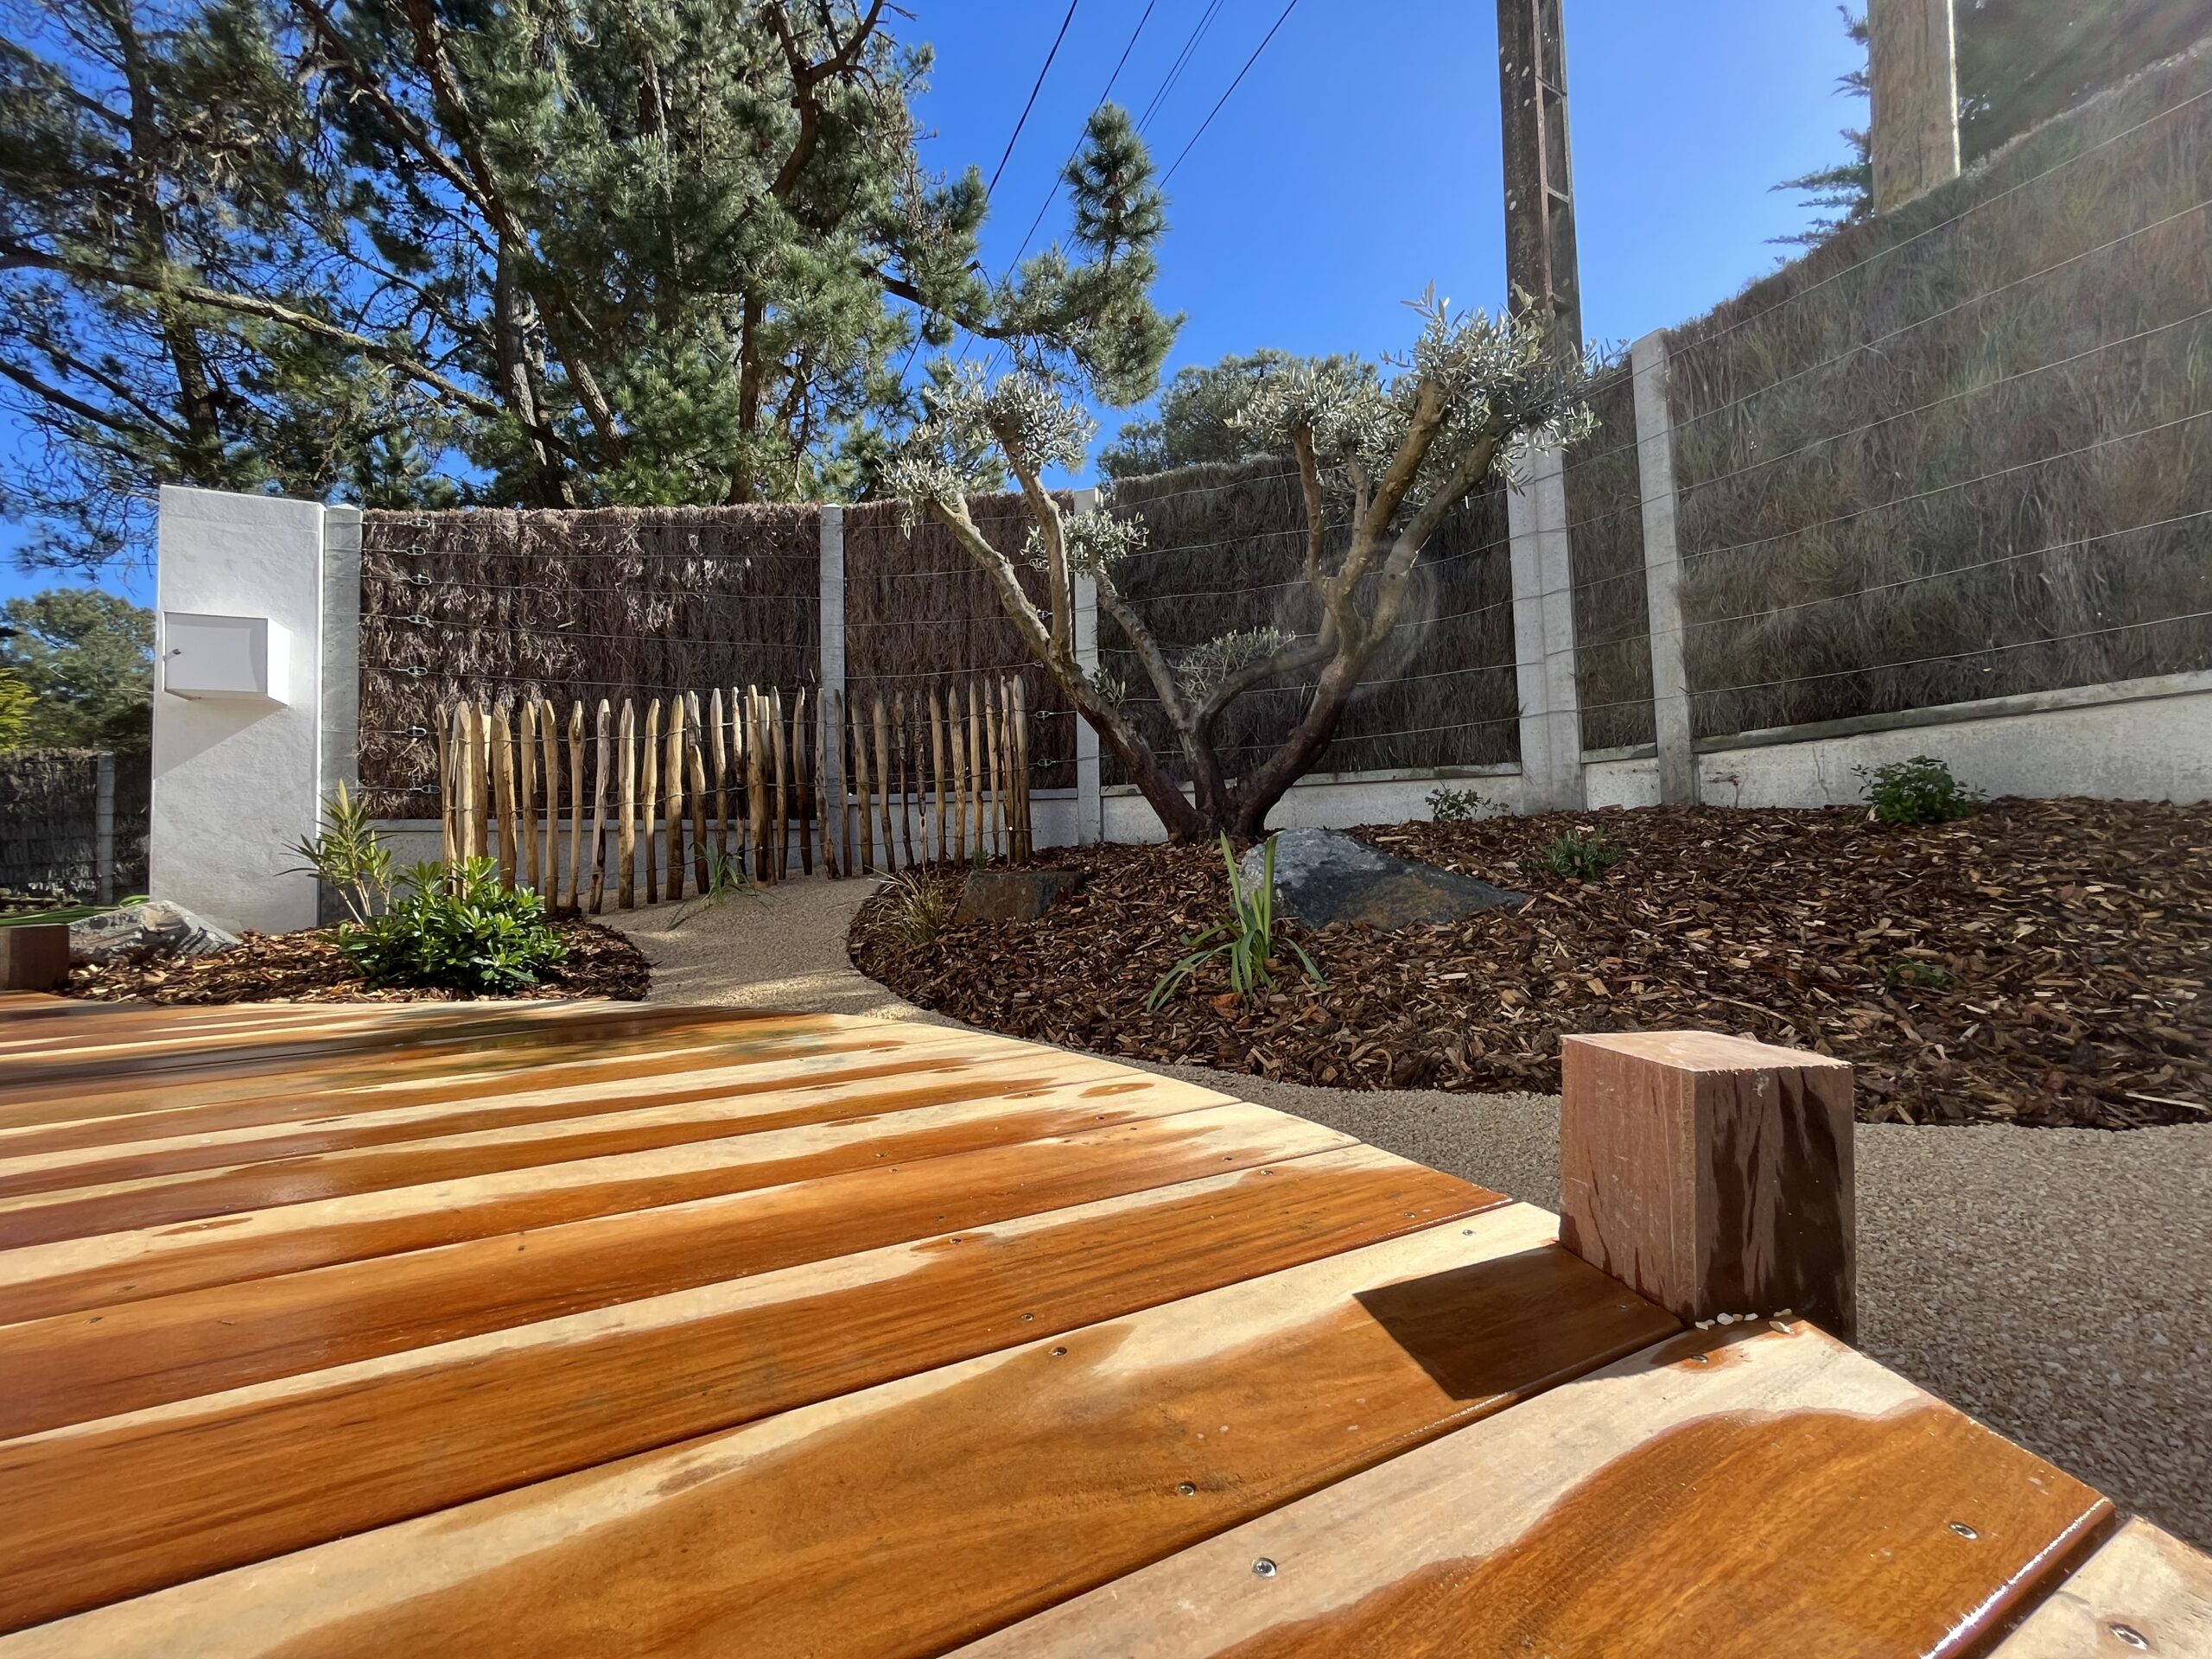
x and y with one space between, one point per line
537 252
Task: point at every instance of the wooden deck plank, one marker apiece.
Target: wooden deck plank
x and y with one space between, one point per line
906 1516
1001 1088
345 1152
89 1271
2145 1591
125 1357
123 1506
1760 1493
93 1110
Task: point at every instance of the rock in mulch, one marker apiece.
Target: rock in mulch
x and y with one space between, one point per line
1325 875
1012 895
309 967
2047 962
156 928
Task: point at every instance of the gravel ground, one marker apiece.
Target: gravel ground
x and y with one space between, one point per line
2056 1283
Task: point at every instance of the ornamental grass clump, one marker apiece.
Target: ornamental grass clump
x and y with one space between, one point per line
1247 938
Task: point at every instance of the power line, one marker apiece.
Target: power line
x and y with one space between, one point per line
1233 85
1013 139
1175 70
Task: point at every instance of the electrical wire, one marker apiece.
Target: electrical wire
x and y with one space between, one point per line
1233 85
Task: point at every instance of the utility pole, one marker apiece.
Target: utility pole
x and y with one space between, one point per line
1539 262
1913 76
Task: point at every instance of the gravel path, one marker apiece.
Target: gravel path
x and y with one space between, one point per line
2056 1283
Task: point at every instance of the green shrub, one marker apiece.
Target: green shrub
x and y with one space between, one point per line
1574 856
1459 805
1247 938
1918 790
455 929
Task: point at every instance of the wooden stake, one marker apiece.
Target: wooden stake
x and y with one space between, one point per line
881 760
1024 840
995 818
465 749
598 809
1712 1175
721 773
549 738
649 807
479 763
957 740
756 788
527 793
802 803
937 768
447 796
783 799
626 827
694 761
860 791
975 769
503 789
901 739
826 797
576 802
672 789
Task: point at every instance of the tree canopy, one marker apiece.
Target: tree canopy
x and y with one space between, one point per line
85 660
531 252
1390 456
1197 414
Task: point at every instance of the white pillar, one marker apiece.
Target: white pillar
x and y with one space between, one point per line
237 777
1089 798
341 677
1663 571
1543 637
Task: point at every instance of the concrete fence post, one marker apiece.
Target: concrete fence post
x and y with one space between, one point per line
1089 796
1663 571
104 829
238 740
1543 636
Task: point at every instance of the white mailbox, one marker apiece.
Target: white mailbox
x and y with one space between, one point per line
222 656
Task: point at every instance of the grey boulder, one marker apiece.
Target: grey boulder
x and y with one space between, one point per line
1324 875
158 925
1012 895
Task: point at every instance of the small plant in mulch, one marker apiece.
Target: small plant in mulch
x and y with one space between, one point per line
1918 790
1911 973
919 907
455 928
1460 805
726 877
1247 938
1574 856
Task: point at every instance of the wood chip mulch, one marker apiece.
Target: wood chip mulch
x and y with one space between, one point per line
307 966
2045 963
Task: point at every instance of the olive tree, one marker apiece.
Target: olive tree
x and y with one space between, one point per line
1390 456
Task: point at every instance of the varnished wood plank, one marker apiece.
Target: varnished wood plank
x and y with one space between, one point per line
162 1200
126 1356
2144 1593
1711 1173
903 1518
126 1506
1749 1492
414 1083
90 1271
141 1146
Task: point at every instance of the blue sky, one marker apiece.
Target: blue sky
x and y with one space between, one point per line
1358 160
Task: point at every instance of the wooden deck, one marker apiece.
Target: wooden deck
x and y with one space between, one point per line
545 1330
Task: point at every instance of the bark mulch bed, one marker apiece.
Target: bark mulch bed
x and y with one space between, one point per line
307 966
2045 963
